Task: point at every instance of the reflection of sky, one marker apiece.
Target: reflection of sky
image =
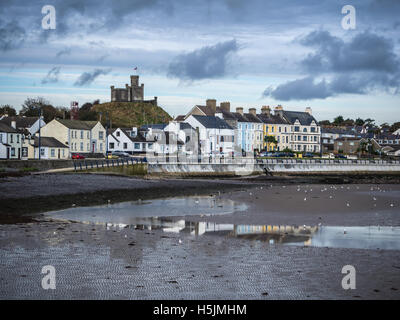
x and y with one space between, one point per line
127 212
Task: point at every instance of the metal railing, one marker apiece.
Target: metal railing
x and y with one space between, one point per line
105 163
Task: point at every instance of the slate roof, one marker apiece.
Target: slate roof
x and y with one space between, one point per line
48 142
159 126
251 117
21 122
212 122
6 128
78 124
271 119
139 137
304 118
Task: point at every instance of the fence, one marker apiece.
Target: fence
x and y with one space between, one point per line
105 163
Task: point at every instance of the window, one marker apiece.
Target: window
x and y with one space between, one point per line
11 138
101 135
63 152
12 152
81 146
304 138
17 138
137 145
88 147
1 137
125 145
41 151
150 146
222 138
296 129
88 135
24 152
81 134
305 130
53 152
118 133
312 129
111 145
101 147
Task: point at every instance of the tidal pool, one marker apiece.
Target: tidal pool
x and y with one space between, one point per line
163 214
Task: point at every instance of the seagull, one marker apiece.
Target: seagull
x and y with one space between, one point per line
305 199
348 204
392 205
180 241
374 198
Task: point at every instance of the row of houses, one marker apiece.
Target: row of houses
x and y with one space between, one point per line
206 130
59 139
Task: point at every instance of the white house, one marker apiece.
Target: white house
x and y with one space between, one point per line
10 141
28 125
50 148
130 140
216 136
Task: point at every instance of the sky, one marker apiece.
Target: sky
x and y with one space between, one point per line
249 52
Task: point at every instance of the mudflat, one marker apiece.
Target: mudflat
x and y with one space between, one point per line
116 260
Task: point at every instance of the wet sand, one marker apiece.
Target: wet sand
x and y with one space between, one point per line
94 261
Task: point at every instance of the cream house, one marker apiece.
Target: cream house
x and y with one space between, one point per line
85 137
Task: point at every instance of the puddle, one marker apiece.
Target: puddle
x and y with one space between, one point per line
127 212
163 215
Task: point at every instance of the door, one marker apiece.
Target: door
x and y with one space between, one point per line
93 147
58 153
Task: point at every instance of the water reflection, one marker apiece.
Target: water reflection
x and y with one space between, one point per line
386 238
127 212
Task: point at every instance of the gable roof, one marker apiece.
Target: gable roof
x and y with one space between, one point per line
212 122
48 142
21 122
304 118
78 124
6 128
138 138
251 117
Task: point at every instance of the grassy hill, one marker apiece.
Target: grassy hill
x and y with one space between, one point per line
131 114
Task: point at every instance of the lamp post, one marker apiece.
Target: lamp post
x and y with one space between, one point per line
40 121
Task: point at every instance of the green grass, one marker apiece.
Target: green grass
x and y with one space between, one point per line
28 169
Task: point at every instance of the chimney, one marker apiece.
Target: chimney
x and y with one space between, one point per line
266 110
309 111
253 111
226 106
239 110
212 104
279 111
14 124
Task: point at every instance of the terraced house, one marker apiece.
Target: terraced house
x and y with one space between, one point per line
85 137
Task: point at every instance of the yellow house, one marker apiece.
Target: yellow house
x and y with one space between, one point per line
85 137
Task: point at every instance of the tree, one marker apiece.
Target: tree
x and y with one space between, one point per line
325 123
7 109
359 122
338 121
369 122
31 108
395 126
86 113
270 140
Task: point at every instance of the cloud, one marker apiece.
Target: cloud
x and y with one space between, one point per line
12 36
205 63
66 51
365 63
87 78
300 89
52 75
365 51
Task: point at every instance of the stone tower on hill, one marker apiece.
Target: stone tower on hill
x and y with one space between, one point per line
132 93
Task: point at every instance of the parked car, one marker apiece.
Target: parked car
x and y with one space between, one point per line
77 156
120 154
308 155
340 156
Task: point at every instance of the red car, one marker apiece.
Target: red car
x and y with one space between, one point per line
77 156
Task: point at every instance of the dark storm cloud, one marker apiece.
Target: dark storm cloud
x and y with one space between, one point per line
87 78
205 63
366 51
52 76
364 63
12 36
